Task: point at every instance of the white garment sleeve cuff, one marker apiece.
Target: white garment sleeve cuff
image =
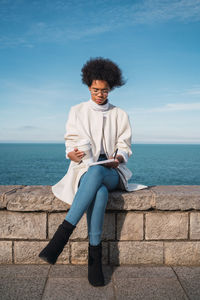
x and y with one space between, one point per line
67 150
124 154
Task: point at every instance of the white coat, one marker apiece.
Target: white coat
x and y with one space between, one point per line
85 123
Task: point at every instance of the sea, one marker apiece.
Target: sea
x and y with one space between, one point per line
151 164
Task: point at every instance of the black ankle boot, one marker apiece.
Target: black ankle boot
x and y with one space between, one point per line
60 238
95 273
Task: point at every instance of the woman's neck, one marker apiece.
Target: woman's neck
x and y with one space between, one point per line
98 107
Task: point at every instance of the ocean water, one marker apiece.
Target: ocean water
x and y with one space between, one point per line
151 164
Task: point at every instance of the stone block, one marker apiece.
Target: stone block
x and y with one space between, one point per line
108 232
34 198
55 219
79 253
182 253
18 225
164 225
5 252
138 200
195 226
26 252
130 226
132 252
5 190
180 197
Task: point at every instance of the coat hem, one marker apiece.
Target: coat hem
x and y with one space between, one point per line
58 197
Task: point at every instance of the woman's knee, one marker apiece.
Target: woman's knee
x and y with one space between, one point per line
93 174
96 171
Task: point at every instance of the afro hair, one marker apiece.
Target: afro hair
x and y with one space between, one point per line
102 69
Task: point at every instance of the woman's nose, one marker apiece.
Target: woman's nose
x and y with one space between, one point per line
100 92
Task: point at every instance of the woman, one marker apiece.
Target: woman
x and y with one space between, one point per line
107 127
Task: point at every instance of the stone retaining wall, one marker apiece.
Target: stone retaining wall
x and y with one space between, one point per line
158 225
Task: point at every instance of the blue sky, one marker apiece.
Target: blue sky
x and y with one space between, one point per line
44 44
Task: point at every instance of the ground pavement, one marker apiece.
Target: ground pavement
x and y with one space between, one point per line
58 282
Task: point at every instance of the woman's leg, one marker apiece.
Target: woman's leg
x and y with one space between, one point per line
90 183
95 215
96 210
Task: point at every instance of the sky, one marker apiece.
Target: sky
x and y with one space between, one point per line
44 44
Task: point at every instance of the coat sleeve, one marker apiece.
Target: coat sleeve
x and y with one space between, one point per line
71 133
124 135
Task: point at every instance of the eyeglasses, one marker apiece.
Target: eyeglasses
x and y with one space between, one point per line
97 91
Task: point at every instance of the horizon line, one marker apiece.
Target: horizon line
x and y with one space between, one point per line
57 142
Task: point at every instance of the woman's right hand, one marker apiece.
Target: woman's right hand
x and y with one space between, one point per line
76 155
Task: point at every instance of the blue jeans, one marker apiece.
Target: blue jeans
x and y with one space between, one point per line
92 197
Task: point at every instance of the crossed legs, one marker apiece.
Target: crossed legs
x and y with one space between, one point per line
92 197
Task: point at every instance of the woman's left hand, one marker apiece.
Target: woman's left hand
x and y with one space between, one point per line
115 163
112 164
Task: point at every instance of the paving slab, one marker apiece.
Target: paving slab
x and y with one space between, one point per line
189 278
146 289
42 282
21 288
67 271
24 270
76 288
143 272
75 271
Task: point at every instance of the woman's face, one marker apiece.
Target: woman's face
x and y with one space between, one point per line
99 90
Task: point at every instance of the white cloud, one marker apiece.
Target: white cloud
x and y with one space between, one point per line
81 19
193 92
170 107
161 11
28 127
40 95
